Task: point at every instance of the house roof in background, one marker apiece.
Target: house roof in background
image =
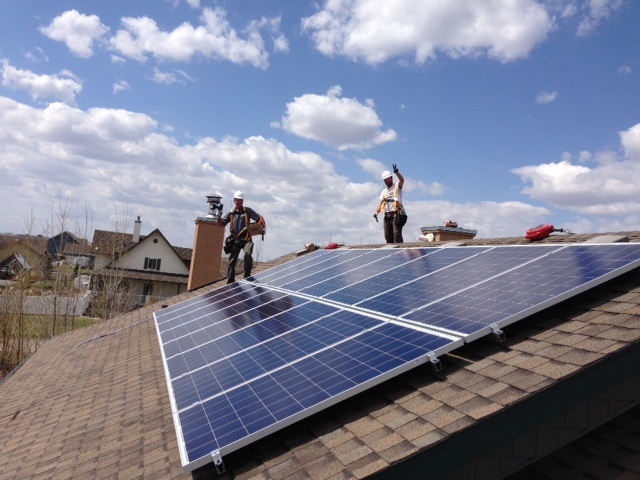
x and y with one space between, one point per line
94 402
37 243
78 249
106 243
70 236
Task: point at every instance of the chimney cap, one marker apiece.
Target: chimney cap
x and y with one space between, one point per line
214 197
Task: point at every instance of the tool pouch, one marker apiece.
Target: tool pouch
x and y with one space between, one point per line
228 243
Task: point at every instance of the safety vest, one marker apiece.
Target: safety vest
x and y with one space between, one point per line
396 204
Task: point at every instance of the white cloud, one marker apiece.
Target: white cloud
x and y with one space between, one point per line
77 31
595 11
118 159
169 78
214 38
433 188
112 159
36 56
117 59
343 123
271 25
64 86
584 156
372 167
630 140
374 32
626 70
375 168
281 44
546 97
120 86
569 10
514 217
611 187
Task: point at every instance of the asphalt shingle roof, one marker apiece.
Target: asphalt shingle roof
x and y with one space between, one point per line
94 404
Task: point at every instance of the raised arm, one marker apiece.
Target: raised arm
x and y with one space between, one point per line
399 175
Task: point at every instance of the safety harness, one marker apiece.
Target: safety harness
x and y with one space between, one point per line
245 230
397 206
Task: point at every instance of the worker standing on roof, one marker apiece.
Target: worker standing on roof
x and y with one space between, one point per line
239 238
391 206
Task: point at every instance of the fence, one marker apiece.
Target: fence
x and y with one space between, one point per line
45 305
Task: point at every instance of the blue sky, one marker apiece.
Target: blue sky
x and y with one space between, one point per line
501 115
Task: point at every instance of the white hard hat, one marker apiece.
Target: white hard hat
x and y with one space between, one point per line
239 195
386 174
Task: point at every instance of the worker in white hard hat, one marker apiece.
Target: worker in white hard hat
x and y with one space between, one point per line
390 204
239 238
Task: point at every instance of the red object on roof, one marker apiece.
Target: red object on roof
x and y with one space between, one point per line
331 246
539 232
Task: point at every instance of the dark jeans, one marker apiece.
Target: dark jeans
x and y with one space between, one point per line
392 232
237 247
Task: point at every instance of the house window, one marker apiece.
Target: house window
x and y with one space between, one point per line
152 263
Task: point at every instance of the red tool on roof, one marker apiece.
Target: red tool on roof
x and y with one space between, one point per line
542 231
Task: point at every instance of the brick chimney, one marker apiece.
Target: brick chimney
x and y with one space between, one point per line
206 258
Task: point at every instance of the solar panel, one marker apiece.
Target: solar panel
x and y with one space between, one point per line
250 360
253 357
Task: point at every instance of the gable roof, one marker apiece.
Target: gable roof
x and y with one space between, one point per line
109 243
94 403
67 237
36 243
56 245
78 249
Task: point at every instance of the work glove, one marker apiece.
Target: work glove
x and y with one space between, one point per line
395 168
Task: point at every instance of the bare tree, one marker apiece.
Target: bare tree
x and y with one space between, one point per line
29 223
64 296
59 217
20 329
112 289
17 331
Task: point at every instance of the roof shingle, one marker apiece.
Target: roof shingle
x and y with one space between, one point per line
94 403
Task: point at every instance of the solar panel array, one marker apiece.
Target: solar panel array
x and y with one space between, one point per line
250 358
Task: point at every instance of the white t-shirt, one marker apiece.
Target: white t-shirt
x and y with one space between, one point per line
387 196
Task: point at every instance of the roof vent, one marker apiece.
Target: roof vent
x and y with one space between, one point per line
447 233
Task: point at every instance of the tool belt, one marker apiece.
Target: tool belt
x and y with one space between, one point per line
399 218
228 242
